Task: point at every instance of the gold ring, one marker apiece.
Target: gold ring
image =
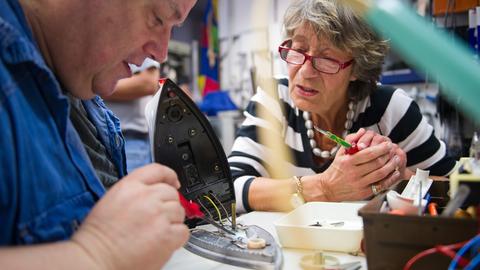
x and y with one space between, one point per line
375 190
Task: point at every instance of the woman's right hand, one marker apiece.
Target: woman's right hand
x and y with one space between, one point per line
350 177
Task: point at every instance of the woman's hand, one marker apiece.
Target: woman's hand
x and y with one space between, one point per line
350 177
367 138
402 167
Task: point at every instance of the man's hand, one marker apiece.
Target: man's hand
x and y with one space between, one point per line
138 223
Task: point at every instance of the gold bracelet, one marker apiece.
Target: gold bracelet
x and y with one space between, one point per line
299 184
297 199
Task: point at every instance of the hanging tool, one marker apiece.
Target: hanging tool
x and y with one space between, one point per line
350 149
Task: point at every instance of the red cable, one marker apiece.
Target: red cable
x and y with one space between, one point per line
445 250
417 257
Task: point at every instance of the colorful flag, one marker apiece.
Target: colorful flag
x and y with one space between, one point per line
208 80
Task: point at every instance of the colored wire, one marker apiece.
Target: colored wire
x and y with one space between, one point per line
474 263
223 207
432 209
455 261
205 208
216 208
445 250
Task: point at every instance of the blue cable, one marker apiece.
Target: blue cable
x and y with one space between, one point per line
473 263
427 198
473 241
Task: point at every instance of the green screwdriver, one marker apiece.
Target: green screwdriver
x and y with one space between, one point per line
350 149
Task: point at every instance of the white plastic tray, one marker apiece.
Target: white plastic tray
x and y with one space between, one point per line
341 230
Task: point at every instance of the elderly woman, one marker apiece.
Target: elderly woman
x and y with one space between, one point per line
334 61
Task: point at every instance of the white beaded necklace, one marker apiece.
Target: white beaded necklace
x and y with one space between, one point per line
310 132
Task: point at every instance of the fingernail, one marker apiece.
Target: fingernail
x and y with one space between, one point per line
396 159
361 146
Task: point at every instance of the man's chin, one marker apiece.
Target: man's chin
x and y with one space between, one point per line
104 90
83 93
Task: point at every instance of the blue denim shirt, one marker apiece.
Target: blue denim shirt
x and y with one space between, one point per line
109 131
47 183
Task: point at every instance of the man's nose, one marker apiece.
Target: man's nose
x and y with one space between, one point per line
158 48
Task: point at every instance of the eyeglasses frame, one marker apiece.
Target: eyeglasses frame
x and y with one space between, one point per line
310 58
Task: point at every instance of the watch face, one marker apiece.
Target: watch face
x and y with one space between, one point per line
296 200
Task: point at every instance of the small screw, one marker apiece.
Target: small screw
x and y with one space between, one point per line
185 156
170 139
192 132
216 168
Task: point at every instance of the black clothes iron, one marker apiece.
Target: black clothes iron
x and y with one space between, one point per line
184 140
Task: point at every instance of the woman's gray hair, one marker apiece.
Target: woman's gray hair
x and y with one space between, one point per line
348 32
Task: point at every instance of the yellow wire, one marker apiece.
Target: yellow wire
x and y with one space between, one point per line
205 208
223 207
216 208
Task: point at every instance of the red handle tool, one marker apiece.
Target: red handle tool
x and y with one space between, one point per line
192 209
352 150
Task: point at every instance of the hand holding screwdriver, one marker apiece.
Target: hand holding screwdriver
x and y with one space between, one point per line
352 150
192 210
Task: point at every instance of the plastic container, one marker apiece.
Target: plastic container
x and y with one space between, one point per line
391 240
322 226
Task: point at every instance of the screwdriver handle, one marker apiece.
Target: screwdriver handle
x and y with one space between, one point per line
192 209
352 150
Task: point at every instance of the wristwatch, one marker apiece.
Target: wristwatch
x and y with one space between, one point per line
296 198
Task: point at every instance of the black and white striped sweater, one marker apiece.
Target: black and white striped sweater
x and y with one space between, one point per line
387 111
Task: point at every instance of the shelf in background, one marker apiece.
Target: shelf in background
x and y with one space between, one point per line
401 76
440 6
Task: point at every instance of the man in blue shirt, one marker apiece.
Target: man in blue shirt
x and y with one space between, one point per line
49 193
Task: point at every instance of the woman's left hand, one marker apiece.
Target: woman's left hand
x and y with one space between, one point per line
366 138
